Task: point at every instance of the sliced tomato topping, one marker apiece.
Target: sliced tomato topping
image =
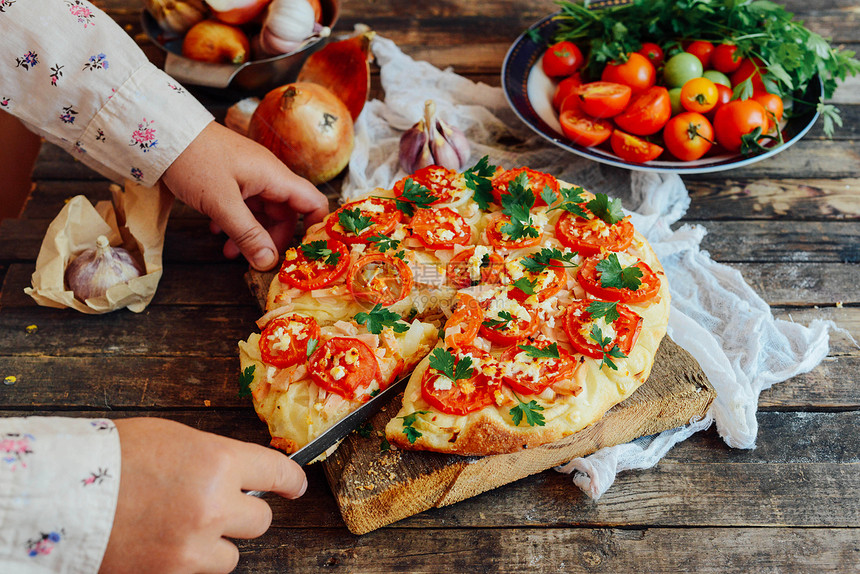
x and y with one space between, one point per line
537 181
528 375
465 269
501 330
463 325
445 184
591 280
441 228
343 364
284 341
383 214
544 284
462 396
380 278
591 236
500 240
302 272
578 326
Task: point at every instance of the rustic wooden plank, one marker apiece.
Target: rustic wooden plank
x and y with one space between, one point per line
799 284
808 158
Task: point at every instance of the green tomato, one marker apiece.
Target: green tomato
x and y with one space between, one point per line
680 68
675 100
717 78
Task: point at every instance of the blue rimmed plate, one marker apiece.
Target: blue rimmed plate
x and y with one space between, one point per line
529 92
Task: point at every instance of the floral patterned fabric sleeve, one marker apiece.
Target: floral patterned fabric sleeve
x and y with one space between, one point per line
73 75
59 482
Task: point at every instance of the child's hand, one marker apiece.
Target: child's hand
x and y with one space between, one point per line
181 498
246 190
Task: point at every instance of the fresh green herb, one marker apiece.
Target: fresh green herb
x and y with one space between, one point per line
571 201
384 446
415 196
505 318
517 204
530 410
317 250
525 285
383 242
378 318
596 335
312 346
791 53
613 275
538 262
353 221
246 377
609 210
374 392
548 352
479 178
485 260
410 431
606 309
535 36
364 430
443 361
548 195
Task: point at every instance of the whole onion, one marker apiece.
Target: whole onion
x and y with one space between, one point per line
307 127
95 271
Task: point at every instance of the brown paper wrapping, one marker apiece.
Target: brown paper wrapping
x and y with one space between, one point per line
135 220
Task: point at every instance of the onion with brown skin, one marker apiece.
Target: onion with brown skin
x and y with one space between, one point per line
307 127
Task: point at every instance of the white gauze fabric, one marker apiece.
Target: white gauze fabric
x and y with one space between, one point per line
714 314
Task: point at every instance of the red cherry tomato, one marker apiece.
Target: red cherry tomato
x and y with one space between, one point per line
647 113
459 271
562 59
571 104
463 325
724 59
702 50
445 184
736 119
583 130
498 239
343 364
627 328
637 72
699 95
464 395
724 96
380 222
749 68
284 340
441 228
550 370
688 136
772 103
653 52
565 88
604 99
633 149
302 272
380 278
592 281
537 181
591 236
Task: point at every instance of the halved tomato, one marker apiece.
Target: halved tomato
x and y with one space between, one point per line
633 149
537 181
379 278
530 376
591 280
441 228
565 88
605 99
302 272
591 236
465 270
284 340
578 322
647 113
500 240
463 325
462 396
445 184
343 364
583 130
383 214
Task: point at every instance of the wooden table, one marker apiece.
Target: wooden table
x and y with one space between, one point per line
789 224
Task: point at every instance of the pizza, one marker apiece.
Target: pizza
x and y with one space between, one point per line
521 307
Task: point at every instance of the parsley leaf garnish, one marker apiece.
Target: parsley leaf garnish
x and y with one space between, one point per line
411 432
538 262
517 204
609 210
501 323
353 221
609 310
596 335
479 180
383 242
414 196
384 445
443 361
530 410
374 392
378 318
317 250
364 430
526 286
571 201
312 346
246 377
548 352
613 275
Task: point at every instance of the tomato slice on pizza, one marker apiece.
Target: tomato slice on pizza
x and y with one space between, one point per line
461 396
618 277
542 284
499 239
441 228
357 221
529 371
314 265
506 320
537 182
463 325
593 236
284 341
342 365
379 278
587 333
475 266
445 184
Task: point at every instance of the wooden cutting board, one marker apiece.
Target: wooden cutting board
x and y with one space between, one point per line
375 486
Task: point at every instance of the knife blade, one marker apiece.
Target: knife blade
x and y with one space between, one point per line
343 427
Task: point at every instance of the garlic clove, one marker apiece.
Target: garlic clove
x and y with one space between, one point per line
457 140
431 141
95 271
412 143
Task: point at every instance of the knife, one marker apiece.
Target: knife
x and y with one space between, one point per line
343 427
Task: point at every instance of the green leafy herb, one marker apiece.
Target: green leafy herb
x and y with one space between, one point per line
505 318
246 377
548 352
517 204
548 195
317 250
374 392
443 361
377 318
384 446
535 36
571 200
364 430
410 431
609 210
530 410
312 346
538 262
596 335
383 242
613 275
525 285
606 309
479 178
353 221
414 196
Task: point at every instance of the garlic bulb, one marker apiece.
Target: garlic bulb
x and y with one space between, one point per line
95 271
177 15
287 25
432 141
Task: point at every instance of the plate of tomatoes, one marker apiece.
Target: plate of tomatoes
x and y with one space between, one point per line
652 112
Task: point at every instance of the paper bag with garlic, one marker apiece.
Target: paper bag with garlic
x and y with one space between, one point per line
134 220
